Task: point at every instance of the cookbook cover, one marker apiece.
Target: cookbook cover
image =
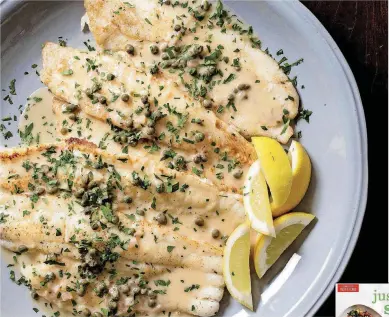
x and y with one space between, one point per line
362 300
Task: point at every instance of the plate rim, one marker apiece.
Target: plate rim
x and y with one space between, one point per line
362 189
8 8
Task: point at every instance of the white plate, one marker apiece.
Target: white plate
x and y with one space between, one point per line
335 140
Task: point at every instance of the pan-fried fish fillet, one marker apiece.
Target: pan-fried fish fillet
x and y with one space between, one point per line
101 133
103 211
169 118
266 108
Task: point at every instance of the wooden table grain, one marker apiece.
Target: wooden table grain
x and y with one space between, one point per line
360 28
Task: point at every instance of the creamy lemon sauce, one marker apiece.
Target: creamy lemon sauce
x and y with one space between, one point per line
38 112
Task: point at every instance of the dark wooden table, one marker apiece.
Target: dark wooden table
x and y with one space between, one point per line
360 29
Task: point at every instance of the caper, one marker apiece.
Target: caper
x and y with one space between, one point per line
95 226
135 181
167 2
149 130
131 231
40 191
192 71
22 248
114 293
124 289
152 303
157 115
231 97
125 97
151 294
82 291
243 86
238 174
160 188
95 100
84 199
130 49
72 117
199 158
93 184
199 221
199 136
206 5
97 314
85 312
129 123
123 139
207 71
64 130
179 161
88 210
85 179
177 27
161 219
112 305
154 70
148 114
45 169
34 294
195 50
79 193
166 64
144 99
115 219
100 289
140 212
207 103
226 59
165 56
135 290
175 64
127 200
51 257
102 100
215 233
89 93
50 276
71 107
110 76
154 49
96 87
52 189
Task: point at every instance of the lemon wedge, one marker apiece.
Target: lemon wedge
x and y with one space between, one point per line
276 168
236 266
301 176
256 201
268 250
